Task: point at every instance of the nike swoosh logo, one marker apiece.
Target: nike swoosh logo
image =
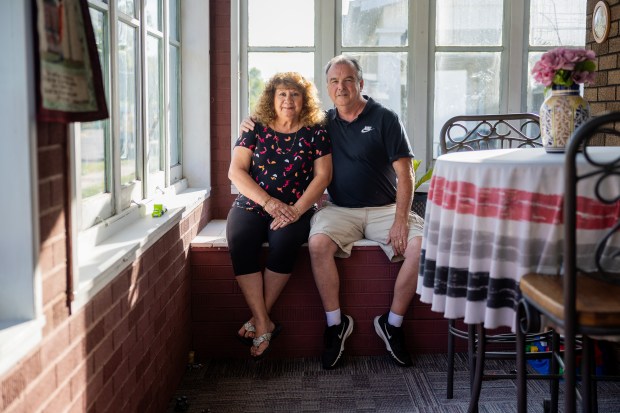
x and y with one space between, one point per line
366 129
387 332
342 332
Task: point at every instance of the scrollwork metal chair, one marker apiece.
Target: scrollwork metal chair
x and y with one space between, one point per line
583 299
490 131
474 133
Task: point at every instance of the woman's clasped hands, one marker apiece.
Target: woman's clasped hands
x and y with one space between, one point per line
282 213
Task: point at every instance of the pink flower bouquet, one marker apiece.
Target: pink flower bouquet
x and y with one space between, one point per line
564 67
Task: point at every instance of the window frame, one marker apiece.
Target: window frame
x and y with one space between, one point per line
131 227
146 186
420 77
175 171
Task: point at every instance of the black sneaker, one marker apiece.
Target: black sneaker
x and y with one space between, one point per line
394 340
334 339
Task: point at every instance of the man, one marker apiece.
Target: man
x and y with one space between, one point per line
370 197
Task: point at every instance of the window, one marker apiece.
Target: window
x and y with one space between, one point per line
552 24
125 164
427 60
21 309
283 49
135 154
475 54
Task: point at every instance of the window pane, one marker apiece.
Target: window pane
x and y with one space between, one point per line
92 141
465 84
469 22
173 18
385 79
127 6
558 23
93 134
175 138
374 23
535 91
153 14
264 65
100 29
128 104
290 23
154 104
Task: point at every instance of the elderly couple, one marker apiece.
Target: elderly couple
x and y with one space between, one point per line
281 165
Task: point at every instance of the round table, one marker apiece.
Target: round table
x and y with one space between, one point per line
495 215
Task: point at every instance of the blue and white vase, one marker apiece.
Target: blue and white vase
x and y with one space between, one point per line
562 112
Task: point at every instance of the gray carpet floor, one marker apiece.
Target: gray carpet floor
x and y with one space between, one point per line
360 384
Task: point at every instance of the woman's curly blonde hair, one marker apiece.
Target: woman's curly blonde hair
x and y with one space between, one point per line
311 112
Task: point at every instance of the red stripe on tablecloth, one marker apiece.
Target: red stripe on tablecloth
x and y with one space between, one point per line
513 204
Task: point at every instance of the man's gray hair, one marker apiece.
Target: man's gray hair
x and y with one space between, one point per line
346 60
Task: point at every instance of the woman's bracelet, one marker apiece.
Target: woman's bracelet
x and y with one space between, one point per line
266 202
297 211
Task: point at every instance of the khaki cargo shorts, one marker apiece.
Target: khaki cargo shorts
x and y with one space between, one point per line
347 225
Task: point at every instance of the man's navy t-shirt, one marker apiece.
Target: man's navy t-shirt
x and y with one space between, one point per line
363 151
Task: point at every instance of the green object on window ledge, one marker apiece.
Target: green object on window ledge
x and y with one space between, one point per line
158 210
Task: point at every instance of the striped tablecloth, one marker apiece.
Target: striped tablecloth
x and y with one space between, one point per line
494 215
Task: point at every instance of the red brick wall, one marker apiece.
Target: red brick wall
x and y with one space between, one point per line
367 283
604 94
52 169
221 134
126 350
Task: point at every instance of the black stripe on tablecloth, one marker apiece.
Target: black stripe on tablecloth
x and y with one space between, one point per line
474 286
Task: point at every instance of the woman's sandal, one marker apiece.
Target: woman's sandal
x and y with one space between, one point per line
248 341
268 337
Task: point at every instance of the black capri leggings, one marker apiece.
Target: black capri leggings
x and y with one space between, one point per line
246 231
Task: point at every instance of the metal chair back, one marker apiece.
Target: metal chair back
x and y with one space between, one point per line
490 131
602 174
581 300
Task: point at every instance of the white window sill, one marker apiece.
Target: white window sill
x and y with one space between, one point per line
17 339
109 248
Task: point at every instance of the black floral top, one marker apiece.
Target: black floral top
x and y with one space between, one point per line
283 163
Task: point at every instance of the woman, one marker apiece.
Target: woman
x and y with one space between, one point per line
281 168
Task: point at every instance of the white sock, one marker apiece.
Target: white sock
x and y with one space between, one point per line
395 319
333 318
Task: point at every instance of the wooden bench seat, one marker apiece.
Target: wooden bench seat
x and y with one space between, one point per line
367 279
